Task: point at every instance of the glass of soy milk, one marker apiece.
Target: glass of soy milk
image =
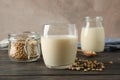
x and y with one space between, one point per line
92 34
59 45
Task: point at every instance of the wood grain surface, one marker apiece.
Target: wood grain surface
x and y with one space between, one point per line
37 70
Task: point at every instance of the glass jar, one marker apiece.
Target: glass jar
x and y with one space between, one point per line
92 34
24 47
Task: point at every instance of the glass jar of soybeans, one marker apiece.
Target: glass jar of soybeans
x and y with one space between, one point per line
24 46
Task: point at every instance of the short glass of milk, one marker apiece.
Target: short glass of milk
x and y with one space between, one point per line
59 45
93 35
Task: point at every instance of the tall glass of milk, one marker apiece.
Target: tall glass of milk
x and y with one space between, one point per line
92 34
59 45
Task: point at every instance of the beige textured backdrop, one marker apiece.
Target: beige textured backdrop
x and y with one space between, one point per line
30 15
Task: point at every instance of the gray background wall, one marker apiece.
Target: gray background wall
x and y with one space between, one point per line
30 15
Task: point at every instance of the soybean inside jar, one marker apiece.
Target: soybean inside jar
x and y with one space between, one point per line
24 46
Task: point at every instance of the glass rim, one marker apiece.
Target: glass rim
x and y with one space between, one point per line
96 18
22 33
60 24
68 26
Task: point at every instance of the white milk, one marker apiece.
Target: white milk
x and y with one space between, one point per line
93 39
59 50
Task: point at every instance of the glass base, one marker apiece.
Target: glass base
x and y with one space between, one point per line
25 60
58 67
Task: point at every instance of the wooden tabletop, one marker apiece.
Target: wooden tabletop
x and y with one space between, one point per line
38 71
